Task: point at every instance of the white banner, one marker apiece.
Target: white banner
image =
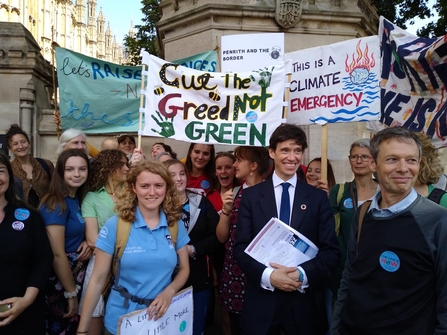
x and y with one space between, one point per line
177 320
241 108
335 83
244 52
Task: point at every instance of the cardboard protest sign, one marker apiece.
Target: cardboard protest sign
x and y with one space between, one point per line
102 97
335 83
177 320
413 82
240 108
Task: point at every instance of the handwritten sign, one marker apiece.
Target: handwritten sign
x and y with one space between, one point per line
244 52
101 97
177 320
413 82
202 107
335 83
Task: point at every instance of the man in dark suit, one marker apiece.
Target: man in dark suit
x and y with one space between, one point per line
286 297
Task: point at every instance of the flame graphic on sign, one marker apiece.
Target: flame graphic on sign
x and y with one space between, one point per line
363 60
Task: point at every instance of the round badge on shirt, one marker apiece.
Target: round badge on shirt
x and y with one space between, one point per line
18 225
389 261
21 214
348 203
80 218
205 184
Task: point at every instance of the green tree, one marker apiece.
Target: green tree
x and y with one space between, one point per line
146 34
405 12
401 12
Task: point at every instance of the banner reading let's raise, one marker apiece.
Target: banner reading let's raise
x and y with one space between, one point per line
102 97
241 108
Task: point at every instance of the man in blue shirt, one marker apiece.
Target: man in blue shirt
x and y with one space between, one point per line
395 277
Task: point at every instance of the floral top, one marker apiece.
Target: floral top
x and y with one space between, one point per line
233 280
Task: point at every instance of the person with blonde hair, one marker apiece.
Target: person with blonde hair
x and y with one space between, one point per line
429 173
149 202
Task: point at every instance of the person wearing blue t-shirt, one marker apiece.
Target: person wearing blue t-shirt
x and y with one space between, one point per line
61 211
150 203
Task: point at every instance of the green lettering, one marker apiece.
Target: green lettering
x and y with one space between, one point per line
255 133
192 133
238 132
211 130
223 132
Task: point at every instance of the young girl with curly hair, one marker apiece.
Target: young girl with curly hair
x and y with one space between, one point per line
149 202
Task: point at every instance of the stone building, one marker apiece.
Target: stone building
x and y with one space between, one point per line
188 27
71 24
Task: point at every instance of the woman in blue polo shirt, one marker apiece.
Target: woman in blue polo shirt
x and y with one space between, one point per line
150 203
61 211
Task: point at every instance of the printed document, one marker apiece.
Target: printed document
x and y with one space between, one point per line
281 244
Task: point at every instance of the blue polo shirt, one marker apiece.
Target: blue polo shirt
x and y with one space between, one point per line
71 219
147 264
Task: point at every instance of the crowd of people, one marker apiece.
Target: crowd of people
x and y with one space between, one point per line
105 233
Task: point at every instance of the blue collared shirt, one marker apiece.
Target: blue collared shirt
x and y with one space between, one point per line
394 209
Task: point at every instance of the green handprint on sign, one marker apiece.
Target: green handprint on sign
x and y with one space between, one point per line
166 125
265 77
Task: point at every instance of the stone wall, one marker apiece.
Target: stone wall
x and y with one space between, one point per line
188 27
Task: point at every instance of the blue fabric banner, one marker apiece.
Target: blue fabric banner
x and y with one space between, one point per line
101 97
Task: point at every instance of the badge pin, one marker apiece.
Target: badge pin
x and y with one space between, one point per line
18 225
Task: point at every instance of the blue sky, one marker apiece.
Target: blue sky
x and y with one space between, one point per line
120 13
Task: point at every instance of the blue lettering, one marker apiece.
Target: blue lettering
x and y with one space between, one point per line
97 70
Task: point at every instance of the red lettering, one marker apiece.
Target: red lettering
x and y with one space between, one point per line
162 105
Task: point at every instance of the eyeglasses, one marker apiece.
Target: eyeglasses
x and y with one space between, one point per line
364 158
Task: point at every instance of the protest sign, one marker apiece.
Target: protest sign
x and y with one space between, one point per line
244 52
101 97
241 108
335 83
177 319
413 82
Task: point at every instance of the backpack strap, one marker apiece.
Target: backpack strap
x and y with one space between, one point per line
363 211
341 190
45 166
122 235
173 231
436 195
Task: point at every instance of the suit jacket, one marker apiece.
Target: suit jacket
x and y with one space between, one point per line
311 216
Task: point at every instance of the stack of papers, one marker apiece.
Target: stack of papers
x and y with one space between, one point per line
281 244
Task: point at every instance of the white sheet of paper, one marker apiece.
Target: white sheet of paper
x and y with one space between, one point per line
280 243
